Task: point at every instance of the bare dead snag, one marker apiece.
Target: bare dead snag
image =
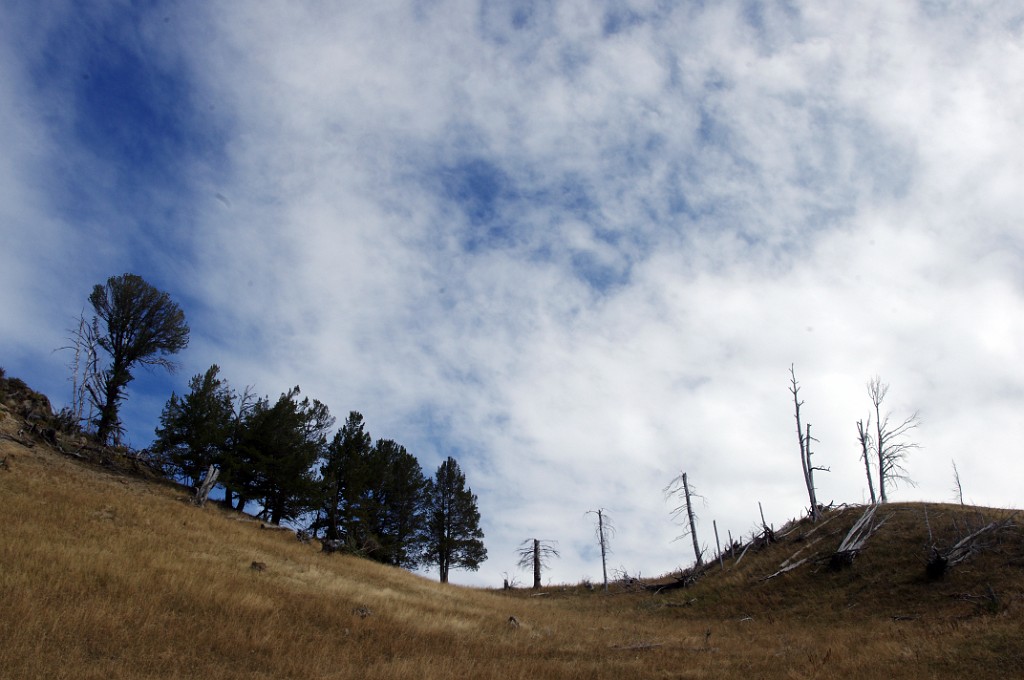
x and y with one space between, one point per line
718 546
866 442
680 487
803 434
536 553
204 489
604 529
891 445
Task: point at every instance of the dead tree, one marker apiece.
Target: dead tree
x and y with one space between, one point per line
940 560
803 435
863 529
718 546
536 553
604 529
204 489
679 487
86 376
866 443
958 488
891 447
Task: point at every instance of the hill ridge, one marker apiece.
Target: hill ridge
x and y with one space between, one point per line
107 571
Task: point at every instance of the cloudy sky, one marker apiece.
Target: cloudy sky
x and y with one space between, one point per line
576 245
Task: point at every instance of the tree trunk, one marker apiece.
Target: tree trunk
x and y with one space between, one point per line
203 490
536 563
812 494
805 445
600 532
113 383
862 437
718 546
332 514
880 445
693 522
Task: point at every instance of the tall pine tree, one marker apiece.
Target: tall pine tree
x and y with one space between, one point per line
344 478
279 447
393 505
454 538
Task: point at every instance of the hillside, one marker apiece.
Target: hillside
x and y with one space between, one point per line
107 572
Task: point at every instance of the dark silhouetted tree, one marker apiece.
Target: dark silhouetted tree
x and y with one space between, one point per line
278 449
140 326
393 511
344 477
454 538
196 430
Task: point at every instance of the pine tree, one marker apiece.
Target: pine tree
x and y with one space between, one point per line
454 538
393 504
195 430
141 325
344 477
279 447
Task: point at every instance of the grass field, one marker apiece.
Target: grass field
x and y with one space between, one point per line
108 575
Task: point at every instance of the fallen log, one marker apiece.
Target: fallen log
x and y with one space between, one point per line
274 527
940 561
787 568
854 541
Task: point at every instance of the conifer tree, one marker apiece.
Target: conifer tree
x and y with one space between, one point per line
454 538
140 325
195 430
344 476
279 447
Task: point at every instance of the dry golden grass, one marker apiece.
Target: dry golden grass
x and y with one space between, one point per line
108 576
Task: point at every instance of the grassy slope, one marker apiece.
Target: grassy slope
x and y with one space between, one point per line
109 576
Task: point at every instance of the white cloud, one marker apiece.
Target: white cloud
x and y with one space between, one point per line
580 249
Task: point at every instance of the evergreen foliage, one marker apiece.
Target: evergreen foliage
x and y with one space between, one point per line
196 430
393 505
370 499
454 537
141 325
278 447
344 478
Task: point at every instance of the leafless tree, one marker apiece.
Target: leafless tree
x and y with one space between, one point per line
679 488
86 376
958 488
891 445
536 553
804 436
605 528
866 444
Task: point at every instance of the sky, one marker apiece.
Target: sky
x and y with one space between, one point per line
576 245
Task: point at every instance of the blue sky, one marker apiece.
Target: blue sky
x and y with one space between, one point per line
577 245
